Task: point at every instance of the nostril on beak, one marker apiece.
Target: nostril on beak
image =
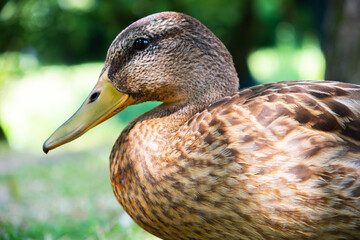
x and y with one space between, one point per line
94 96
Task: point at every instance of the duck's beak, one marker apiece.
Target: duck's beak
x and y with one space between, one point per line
103 102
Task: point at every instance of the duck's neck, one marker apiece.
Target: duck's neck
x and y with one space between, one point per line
140 145
135 157
143 157
161 123
154 129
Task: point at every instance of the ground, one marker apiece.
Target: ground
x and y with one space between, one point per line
61 196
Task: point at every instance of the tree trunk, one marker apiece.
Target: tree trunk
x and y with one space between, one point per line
342 50
241 43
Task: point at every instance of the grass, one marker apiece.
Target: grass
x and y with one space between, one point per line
61 196
91 229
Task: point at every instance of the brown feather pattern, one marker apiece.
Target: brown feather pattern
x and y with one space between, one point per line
275 161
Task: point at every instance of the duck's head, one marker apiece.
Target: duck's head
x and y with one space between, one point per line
168 57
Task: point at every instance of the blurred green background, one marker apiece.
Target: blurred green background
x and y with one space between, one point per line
51 53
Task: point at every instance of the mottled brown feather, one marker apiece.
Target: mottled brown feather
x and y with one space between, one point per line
252 167
274 161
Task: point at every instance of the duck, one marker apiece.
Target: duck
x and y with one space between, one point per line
274 161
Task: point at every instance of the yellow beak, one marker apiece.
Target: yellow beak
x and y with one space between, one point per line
103 102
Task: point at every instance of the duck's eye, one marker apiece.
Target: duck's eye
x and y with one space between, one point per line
141 43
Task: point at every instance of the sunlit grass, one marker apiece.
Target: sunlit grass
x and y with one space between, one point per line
286 63
288 60
61 197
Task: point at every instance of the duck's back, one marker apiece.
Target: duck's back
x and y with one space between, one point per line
279 160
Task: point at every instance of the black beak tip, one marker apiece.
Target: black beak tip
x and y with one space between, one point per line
45 149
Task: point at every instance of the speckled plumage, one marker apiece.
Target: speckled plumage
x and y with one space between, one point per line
275 161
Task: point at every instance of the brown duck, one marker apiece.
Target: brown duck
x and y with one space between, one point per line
275 161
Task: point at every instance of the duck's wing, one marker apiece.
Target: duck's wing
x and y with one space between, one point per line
282 157
300 134
309 118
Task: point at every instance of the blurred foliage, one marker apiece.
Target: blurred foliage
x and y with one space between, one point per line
75 31
270 40
37 102
43 32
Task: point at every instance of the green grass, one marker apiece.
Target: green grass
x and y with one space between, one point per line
61 196
66 229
